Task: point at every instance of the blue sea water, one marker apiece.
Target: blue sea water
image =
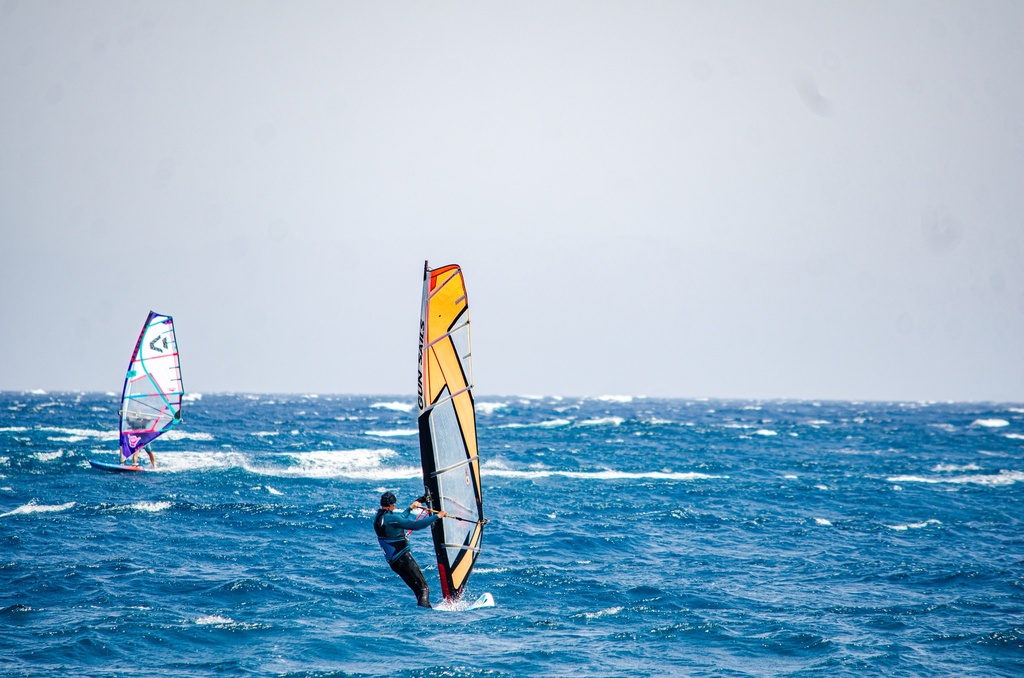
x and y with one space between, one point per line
627 537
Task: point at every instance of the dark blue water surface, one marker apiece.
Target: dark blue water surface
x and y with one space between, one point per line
628 537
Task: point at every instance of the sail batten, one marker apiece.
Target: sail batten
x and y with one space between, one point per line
447 426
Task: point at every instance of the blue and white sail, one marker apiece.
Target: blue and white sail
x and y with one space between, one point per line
151 397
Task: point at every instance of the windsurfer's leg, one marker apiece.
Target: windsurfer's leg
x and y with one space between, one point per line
409 570
152 458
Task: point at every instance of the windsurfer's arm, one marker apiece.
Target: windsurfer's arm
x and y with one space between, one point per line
406 523
435 514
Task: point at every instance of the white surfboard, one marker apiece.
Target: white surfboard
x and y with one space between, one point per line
486 600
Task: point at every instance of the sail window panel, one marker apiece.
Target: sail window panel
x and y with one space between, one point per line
456 487
460 339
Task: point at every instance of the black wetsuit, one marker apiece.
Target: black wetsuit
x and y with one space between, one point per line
390 528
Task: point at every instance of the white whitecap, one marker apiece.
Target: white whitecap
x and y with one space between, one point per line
1002 478
80 433
598 475
150 506
606 612
947 468
395 405
273 491
48 456
615 398
551 423
914 526
265 434
823 521
990 423
213 619
394 433
790 476
33 507
13 429
191 397
1014 436
178 434
600 421
765 432
360 464
489 408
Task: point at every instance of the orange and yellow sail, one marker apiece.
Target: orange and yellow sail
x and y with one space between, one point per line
447 426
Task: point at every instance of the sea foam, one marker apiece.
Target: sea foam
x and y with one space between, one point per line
33 507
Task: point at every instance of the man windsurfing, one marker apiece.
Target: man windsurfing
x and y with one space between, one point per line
391 535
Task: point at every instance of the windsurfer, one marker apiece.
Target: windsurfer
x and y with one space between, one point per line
391 535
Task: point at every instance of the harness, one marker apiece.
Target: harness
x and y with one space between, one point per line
392 546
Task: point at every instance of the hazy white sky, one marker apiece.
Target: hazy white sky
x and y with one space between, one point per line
728 199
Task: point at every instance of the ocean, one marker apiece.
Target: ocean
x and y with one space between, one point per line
627 537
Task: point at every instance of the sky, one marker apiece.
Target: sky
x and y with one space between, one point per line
808 200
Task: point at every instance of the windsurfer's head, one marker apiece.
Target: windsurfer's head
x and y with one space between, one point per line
387 499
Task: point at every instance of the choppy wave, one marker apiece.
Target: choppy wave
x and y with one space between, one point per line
394 405
48 456
394 433
601 421
608 611
1001 478
990 423
33 507
914 526
948 468
352 464
550 423
179 434
213 619
145 506
607 474
489 408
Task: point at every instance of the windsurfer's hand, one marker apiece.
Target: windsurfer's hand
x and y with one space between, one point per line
415 504
442 514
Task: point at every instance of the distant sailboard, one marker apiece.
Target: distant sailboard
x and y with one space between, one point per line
447 427
152 392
